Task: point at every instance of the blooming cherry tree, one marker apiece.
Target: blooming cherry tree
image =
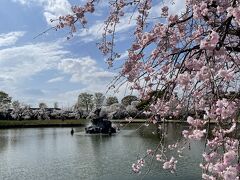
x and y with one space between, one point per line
194 55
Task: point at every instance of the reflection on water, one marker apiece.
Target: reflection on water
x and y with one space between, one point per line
52 153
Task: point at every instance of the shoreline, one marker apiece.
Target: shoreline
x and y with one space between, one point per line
11 124
40 126
145 121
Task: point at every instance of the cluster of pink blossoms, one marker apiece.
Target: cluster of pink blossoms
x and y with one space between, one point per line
227 75
136 167
184 79
225 169
191 61
165 11
200 10
196 133
170 165
210 42
235 12
225 108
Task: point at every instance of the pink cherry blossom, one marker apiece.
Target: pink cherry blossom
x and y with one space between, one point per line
229 156
159 157
170 165
191 60
150 152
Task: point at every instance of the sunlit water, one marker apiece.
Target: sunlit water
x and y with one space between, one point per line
52 153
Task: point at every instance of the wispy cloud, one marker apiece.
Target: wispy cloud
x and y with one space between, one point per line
52 9
10 38
84 70
95 31
174 7
57 79
24 61
123 56
21 64
34 92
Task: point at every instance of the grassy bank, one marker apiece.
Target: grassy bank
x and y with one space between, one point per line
41 123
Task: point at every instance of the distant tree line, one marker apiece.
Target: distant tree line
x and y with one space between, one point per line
129 106
86 102
14 110
111 106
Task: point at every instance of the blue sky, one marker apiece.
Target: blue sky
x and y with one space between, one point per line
50 68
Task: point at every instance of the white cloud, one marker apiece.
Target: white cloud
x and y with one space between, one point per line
27 60
66 99
52 8
57 79
34 92
123 91
92 33
22 64
84 70
123 56
10 38
55 8
21 1
95 31
175 7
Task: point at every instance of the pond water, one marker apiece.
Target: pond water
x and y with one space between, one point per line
52 153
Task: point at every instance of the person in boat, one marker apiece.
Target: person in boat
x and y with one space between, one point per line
72 131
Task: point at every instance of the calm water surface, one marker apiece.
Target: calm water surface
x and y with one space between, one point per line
52 153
